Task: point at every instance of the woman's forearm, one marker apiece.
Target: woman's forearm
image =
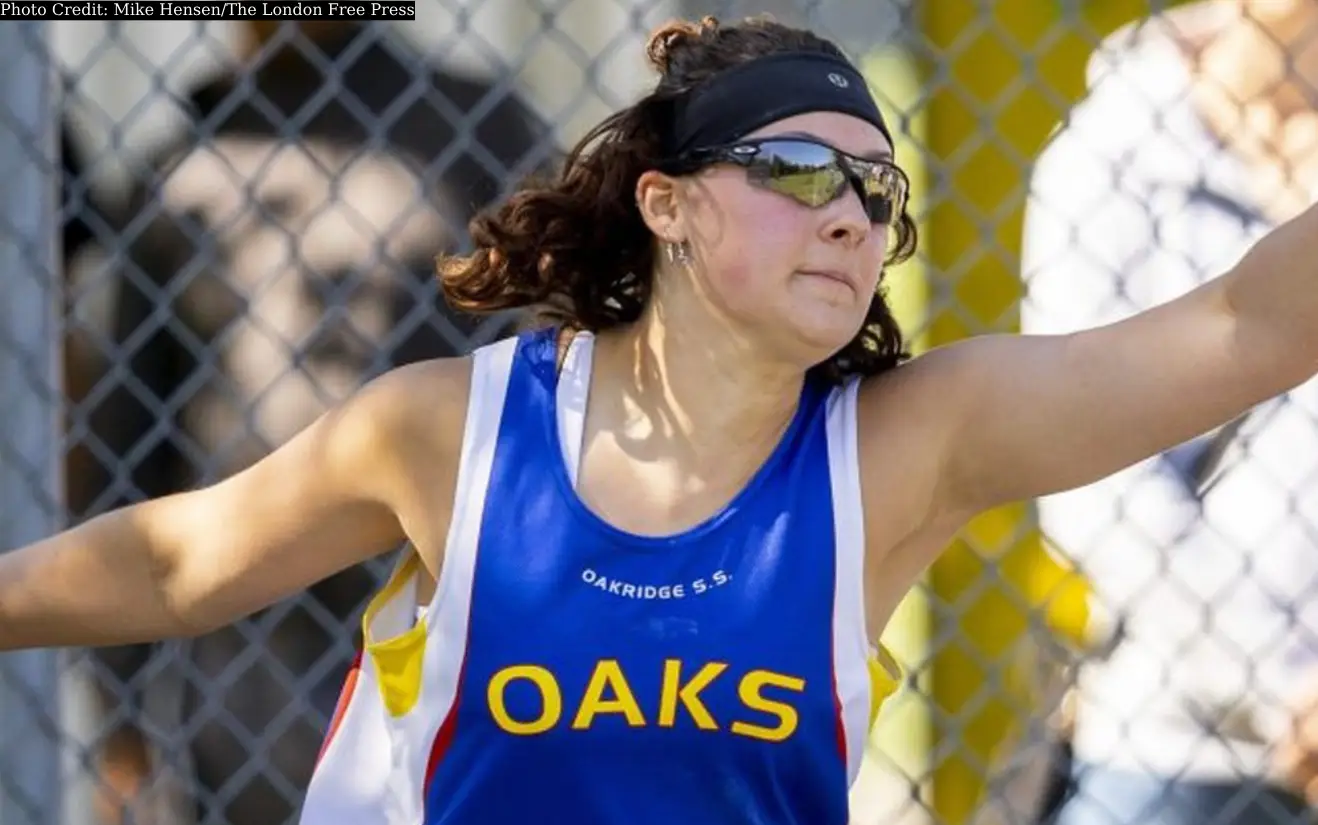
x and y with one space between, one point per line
101 583
1272 293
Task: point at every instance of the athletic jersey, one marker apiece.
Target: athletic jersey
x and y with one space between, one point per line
568 671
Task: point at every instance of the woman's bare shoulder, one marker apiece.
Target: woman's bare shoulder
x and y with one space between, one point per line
916 389
907 421
419 409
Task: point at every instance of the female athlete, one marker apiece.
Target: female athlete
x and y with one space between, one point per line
665 528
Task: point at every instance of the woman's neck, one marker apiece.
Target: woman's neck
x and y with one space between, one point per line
696 389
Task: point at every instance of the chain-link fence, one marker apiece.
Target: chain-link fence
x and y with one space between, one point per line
243 229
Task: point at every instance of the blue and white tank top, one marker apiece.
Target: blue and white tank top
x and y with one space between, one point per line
568 671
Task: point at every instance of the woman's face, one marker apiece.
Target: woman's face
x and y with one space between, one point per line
800 278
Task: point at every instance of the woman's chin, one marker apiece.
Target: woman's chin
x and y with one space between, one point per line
820 336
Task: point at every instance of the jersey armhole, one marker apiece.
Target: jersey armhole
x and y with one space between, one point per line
395 626
848 521
394 611
491 369
852 669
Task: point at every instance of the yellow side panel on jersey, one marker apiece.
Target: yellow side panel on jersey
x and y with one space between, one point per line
395 640
885 680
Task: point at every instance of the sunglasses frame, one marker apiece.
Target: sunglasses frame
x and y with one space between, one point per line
745 153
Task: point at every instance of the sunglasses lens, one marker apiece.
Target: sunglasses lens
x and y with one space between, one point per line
885 190
813 175
806 172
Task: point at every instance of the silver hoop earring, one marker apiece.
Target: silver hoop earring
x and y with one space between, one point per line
678 253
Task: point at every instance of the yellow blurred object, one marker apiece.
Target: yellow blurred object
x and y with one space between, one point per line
1006 72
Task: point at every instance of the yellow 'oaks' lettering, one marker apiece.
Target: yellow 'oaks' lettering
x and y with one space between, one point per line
551 699
688 694
766 698
608 676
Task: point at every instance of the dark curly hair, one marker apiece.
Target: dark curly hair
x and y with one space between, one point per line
576 249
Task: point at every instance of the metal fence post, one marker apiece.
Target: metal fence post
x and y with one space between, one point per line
29 406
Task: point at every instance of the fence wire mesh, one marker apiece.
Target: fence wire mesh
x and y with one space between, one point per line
243 229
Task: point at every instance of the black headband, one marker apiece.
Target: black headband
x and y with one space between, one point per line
744 98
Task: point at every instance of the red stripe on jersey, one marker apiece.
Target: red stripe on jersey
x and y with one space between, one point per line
341 708
837 718
444 736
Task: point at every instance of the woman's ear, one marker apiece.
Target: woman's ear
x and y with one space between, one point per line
659 198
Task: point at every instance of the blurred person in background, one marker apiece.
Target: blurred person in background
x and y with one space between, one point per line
1198 136
276 256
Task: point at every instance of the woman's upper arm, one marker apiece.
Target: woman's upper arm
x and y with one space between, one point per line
1129 348
336 494
1118 223
1031 415
1006 418
1131 345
